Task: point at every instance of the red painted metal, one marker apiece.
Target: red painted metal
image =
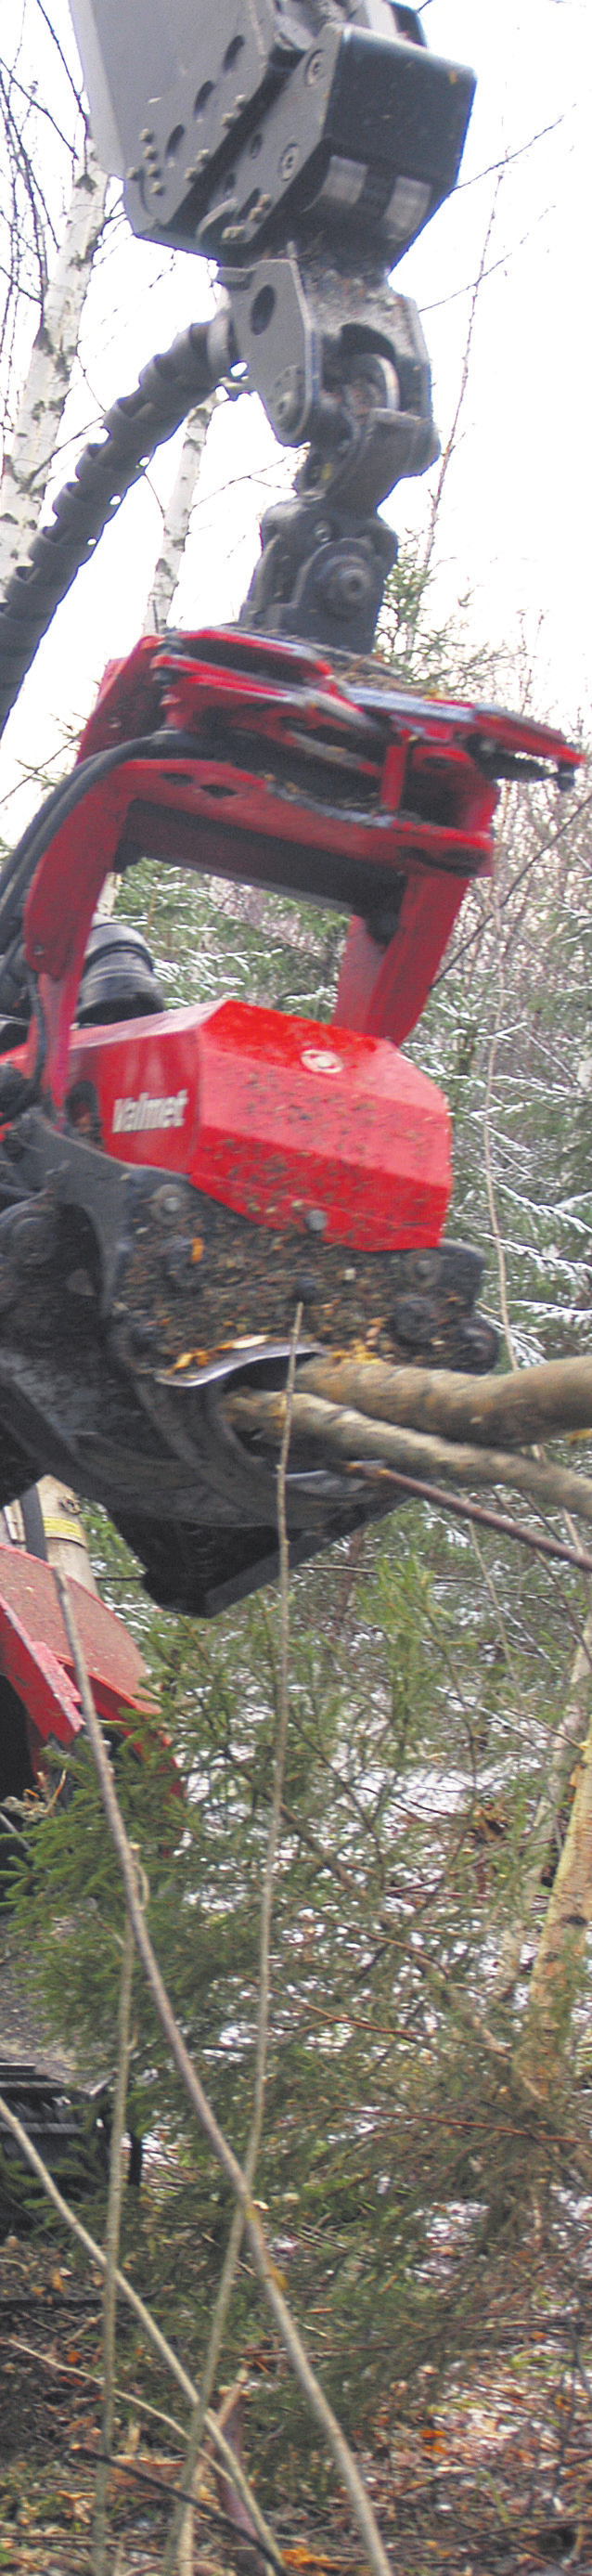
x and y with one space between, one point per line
320 780
275 1116
35 1654
384 990
180 676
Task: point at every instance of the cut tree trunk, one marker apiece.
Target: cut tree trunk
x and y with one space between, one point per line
65 1535
527 1404
28 466
361 1436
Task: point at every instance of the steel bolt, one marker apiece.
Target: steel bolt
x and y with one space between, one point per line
288 161
414 1319
345 586
168 1203
313 69
315 1221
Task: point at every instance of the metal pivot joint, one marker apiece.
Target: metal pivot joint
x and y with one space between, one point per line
339 359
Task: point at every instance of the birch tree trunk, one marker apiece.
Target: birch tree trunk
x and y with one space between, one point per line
563 1939
27 468
176 519
167 570
567 1748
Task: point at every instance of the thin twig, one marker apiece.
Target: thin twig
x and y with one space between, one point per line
487 1154
148 2477
90 2379
228 2275
498 1614
112 2232
150 2329
464 378
265 2267
459 1510
473 936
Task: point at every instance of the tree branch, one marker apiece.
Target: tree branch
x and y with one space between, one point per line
148 2326
359 1438
289 2332
228 2275
111 2252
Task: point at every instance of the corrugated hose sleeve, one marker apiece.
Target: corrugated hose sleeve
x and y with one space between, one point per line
168 388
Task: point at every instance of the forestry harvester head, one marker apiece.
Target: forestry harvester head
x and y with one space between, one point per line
175 1184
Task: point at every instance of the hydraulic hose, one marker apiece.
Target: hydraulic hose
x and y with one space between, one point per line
17 1091
167 389
20 868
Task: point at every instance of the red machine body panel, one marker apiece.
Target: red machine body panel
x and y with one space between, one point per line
35 1654
276 1116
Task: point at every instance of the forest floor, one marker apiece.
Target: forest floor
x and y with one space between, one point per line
497 2480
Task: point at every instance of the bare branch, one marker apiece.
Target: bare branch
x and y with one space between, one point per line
231 2258
148 2325
449 449
289 2332
111 2253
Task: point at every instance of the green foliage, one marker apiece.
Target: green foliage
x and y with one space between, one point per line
398 2175
426 650
210 939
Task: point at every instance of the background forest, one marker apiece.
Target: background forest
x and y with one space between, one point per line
426 2164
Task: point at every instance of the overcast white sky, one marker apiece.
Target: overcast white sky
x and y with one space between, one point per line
516 527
